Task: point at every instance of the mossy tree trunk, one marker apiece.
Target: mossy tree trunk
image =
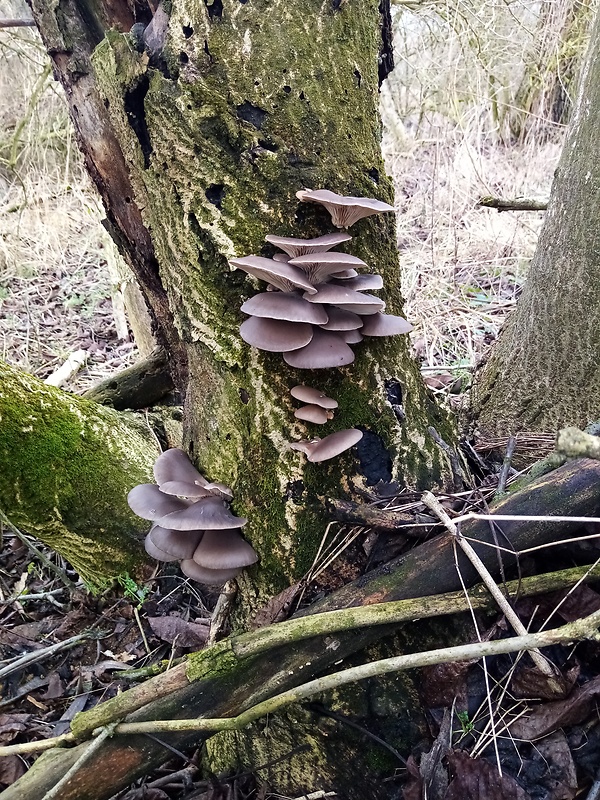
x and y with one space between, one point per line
67 465
544 371
198 152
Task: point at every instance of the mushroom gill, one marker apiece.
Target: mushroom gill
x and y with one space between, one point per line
345 211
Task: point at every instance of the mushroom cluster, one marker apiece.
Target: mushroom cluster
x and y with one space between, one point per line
191 521
317 304
319 409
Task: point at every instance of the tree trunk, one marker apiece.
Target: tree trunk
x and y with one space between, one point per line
544 372
67 465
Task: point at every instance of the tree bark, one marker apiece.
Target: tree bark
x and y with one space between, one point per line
67 465
544 373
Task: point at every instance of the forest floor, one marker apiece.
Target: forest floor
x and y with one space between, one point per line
461 270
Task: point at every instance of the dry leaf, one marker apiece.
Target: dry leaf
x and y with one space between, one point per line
277 608
11 769
546 718
175 630
478 779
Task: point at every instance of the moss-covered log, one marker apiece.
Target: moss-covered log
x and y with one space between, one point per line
544 372
67 465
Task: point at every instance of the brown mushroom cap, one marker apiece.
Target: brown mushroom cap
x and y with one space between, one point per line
284 305
211 577
368 281
224 549
385 325
341 320
326 349
278 273
334 444
300 247
311 413
148 502
306 394
341 296
174 465
206 515
179 544
345 211
319 267
155 552
275 335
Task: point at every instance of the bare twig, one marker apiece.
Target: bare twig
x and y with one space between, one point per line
221 611
39 655
17 23
514 204
503 477
67 370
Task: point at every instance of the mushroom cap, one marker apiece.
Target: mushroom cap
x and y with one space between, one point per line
278 273
179 544
341 296
345 273
306 394
364 309
334 444
284 305
341 320
208 515
312 413
148 502
155 552
211 577
304 445
224 550
174 465
184 489
219 489
320 266
299 247
326 349
345 211
369 281
385 325
275 335
352 337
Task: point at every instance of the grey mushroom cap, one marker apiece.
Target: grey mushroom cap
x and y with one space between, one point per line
319 267
184 489
155 552
299 247
224 550
219 490
334 444
325 350
179 544
352 337
311 413
364 309
208 514
211 577
278 273
174 465
285 306
385 325
345 211
148 502
341 320
275 335
342 296
306 394
369 281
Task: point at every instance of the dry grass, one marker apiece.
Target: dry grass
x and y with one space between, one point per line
447 110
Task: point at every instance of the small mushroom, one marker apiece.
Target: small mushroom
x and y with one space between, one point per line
314 414
345 211
174 465
341 296
224 549
211 577
208 514
148 502
366 308
155 552
275 335
319 267
306 394
323 449
183 489
368 281
385 325
179 544
341 320
326 349
284 305
277 273
299 247
352 337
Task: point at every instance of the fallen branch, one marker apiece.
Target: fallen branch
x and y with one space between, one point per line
17 23
139 386
67 370
515 204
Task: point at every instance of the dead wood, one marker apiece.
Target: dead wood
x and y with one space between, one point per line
222 685
139 386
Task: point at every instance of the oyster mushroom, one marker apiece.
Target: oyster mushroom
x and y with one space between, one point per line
385 325
275 335
311 413
224 549
284 305
300 247
210 513
345 211
323 449
319 267
306 394
326 349
277 273
178 544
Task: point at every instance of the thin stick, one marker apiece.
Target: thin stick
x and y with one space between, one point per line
539 660
510 449
17 23
94 745
39 655
221 611
68 369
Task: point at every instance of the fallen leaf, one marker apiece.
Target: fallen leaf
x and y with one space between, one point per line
11 725
546 718
175 630
560 779
530 682
276 609
11 769
476 779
